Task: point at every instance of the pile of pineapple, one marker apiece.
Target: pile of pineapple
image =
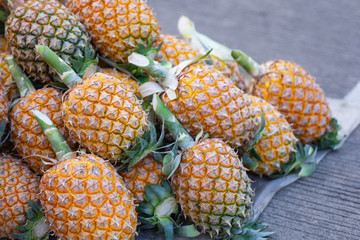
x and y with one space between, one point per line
109 126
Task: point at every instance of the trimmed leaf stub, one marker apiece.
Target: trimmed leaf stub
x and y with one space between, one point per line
331 139
160 210
36 227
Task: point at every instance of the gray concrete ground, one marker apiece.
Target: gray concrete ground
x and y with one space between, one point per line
322 36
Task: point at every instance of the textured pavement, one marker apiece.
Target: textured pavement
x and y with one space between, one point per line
324 37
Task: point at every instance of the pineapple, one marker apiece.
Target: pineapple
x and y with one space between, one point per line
212 187
145 172
117 27
205 99
277 144
18 184
210 182
26 133
6 78
175 50
49 23
83 197
100 112
293 92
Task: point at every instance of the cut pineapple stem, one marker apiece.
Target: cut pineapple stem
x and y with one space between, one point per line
56 140
201 42
148 65
22 81
66 73
175 128
252 67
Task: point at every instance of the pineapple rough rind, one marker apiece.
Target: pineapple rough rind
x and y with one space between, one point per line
84 198
18 184
295 94
104 116
207 99
213 188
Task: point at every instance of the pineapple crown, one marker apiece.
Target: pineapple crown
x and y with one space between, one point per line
36 227
85 65
160 211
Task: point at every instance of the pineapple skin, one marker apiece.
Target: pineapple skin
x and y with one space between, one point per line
3 44
139 176
84 198
212 187
295 94
207 97
104 116
4 104
18 184
47 23
29 140
116 27
131 84
175 50
6 78
276 148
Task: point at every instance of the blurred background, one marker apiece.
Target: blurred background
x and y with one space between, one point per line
323 36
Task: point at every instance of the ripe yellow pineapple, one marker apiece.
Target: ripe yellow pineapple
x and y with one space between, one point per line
117 27
277 144
205 97
6 78
18 184
104 116
212 187
26 134
175 50
293 91
83 196
100 111
44 22
139 176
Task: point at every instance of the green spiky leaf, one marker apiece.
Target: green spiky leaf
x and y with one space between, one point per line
252 231
303 161
331 139
187 231
82 64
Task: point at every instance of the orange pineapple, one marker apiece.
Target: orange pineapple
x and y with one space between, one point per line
277 144
4 105
3 44
18 184
83 197
145 172
293 92
117 27
208 99
100 111
26 133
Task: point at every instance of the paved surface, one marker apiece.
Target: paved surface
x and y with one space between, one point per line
322 36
